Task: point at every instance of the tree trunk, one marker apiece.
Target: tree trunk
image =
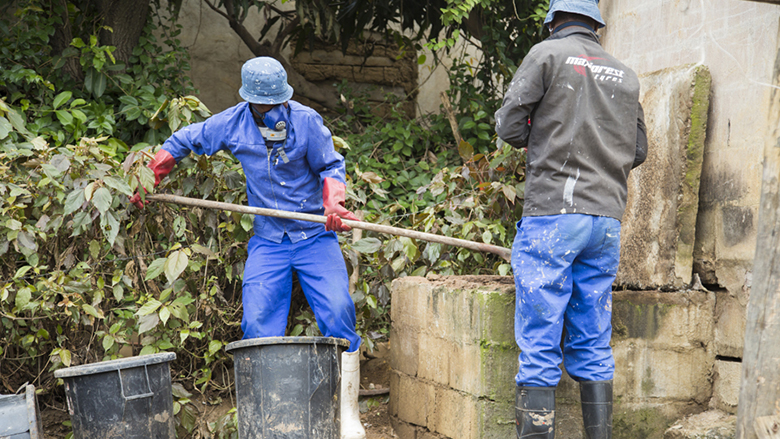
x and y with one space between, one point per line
759 396
127 19
62 38
325 96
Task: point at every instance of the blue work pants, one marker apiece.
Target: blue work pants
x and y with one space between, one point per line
564 266
322 273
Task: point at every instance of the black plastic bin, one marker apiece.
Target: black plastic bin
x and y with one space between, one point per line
288 387
129 398
20 417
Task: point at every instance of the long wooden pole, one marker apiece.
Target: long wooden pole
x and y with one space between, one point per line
758 414
208 204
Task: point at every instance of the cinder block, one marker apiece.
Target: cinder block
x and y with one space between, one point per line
415 401
726 382
402 429
455 415
644 373
405 349
730 319
435 358
665 320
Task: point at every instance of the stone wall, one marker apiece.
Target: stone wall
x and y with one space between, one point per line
453 360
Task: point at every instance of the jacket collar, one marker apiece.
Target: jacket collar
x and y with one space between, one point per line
575 30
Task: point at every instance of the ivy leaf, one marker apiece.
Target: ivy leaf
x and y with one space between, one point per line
148 307
102 199
175 265
367 245
155 268
74 201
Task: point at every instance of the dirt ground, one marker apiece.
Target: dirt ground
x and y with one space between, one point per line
375 384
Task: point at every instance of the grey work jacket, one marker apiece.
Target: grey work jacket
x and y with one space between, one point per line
586 129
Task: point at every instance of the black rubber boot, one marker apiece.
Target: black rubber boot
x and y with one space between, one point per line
596 399
535 412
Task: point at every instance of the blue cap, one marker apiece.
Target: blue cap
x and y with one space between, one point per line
264 81
588 8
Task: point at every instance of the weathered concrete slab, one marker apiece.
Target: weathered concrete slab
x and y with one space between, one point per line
712 424
730 320
659 225
454 358
725 385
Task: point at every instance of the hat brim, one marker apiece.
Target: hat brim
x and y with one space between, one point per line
586 8
274 99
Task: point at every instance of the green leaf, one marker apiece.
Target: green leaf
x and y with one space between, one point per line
65 357
503 269
96 313
175 265
148 307
74 201
367 245
61 99
98 84
102 199
22 271
108 342
119 185
203 250
115 328
165 314
109 224
155 269
23 298
64 117
246 221
147 323
5 127
214 347
297 330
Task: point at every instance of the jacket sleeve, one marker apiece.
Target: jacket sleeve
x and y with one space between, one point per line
321 154
524 93
206 137
641 138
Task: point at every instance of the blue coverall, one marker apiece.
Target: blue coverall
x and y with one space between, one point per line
288 176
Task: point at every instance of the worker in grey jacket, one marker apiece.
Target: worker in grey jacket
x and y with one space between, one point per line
576 110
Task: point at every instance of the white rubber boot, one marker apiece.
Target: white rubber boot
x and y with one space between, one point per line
351 428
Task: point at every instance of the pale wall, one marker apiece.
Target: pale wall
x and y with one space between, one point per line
737 41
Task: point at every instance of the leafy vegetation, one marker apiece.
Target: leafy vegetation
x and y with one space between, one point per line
88 277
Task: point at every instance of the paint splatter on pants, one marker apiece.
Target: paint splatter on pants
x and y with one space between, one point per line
321 271
564 266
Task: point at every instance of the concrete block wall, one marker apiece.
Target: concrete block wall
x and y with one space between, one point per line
453 360
452 357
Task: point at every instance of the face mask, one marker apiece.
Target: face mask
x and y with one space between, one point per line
276 121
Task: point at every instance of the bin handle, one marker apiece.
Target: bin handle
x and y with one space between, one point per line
139 396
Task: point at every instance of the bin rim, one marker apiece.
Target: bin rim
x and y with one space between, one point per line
261 341
112 365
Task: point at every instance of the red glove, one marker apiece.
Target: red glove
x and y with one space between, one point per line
333 197
162 164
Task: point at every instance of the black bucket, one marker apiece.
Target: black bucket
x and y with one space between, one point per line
20 417
288 387
129 398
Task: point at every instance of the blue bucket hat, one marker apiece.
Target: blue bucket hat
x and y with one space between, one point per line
264 81
588 8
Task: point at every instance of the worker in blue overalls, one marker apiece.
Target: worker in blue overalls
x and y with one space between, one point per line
290 164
